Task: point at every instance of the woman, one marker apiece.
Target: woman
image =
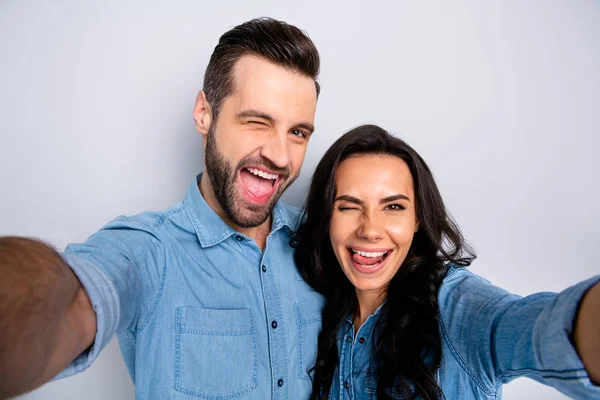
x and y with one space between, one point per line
403 318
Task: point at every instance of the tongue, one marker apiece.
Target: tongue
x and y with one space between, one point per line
366 260
255 184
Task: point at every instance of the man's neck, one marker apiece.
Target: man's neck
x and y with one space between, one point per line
258 233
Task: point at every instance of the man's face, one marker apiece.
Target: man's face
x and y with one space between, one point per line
256 147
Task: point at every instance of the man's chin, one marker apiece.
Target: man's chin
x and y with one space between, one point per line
248 214
249 219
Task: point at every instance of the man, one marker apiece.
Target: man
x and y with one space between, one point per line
204 298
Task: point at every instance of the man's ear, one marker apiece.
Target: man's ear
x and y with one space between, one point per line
202 113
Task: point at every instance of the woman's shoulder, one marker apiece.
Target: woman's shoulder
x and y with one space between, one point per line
463 289
456 273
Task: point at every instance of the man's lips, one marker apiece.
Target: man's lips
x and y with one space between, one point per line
262 172
259 184
265 173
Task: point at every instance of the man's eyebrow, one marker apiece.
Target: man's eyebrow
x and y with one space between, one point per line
393 198
259 114
255 114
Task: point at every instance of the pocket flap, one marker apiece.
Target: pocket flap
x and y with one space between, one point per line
204 321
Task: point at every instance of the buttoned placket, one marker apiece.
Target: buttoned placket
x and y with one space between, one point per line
276 326
348 354
346 362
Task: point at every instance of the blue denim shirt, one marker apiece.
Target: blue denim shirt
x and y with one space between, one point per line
198 309
489 337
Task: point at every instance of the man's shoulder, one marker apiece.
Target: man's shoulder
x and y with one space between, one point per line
291 215
152 221
291 210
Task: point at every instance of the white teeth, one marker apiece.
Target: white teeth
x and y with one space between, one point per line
262 174
369 253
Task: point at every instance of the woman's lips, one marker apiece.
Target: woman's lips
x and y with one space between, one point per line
359 262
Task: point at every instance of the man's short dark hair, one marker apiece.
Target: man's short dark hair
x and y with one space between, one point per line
276 41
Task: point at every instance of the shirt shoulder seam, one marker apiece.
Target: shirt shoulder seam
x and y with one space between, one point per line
165 215
158 296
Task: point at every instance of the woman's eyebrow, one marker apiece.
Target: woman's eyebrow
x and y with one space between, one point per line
350 199
356 200
393 198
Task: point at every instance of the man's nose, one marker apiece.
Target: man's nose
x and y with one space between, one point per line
275 149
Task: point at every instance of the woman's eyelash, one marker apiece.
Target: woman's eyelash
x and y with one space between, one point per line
393 207
396 207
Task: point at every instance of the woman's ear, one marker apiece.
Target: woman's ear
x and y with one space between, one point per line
417 226
202 113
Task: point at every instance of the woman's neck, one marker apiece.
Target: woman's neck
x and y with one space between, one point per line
368 301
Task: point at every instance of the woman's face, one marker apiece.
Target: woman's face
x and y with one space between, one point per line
374 219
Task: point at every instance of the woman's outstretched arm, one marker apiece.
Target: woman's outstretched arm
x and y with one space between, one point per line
587 332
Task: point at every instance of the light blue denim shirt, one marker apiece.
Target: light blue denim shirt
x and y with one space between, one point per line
489 337
198 309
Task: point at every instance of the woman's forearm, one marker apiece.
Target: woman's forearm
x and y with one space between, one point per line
587 332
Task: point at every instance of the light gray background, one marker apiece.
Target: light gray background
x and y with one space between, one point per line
501 98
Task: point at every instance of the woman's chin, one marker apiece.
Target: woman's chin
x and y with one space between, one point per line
368 285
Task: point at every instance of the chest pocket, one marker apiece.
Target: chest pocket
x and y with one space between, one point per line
308 320
215 352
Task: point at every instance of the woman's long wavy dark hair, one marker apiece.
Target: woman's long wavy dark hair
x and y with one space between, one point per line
407 343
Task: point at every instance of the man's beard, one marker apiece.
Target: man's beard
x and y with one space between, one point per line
223 179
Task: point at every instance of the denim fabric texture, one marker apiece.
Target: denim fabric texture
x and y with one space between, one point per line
198 309
201 312
489 337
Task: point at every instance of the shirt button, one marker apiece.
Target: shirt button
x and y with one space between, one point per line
280 383
264 268
239 238
346 385
274 325
348 339
361 340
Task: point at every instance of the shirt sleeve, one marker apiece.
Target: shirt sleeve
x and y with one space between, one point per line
121 268
504 336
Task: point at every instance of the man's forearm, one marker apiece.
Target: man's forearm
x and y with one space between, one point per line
37 290
587 332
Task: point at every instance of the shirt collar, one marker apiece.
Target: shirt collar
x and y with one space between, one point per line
210 227
374 315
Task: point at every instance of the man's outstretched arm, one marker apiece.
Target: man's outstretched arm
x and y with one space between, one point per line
46 318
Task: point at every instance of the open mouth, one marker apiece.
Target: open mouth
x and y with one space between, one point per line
368 259
259 184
